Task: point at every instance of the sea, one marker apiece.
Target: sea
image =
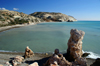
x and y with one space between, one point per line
48 36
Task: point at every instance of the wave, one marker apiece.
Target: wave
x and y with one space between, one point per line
92 55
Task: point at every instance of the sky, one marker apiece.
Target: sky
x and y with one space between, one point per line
79 9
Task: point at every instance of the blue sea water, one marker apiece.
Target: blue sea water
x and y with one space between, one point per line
45 37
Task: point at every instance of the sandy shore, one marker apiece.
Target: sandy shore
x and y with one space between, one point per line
40 58
14 26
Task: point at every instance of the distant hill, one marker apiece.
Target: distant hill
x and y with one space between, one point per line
52 16
13 17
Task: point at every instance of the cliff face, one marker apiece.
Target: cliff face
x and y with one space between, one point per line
47 16
13 17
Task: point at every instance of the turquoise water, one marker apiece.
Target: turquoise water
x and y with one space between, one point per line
45 37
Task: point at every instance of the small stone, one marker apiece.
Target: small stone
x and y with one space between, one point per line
56 51
46 53
34 64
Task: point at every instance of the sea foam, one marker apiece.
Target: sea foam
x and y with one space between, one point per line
92 55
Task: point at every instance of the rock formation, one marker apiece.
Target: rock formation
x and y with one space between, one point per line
17 60
28 52
96 63
13 17
1 65
34 64
57 59
52 16
75 44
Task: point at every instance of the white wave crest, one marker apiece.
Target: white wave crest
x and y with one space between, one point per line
92 55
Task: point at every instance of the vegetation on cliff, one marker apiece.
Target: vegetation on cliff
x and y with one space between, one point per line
13 17
52 16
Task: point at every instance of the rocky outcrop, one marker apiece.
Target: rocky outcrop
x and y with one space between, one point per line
1 65
75 44
96 63
57 60
74 52
17 60
34 64
13 17
52 16
28 52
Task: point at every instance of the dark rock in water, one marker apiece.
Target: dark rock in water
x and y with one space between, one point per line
85 54
69 21
96 63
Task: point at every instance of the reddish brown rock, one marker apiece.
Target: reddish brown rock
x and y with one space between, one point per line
28 52
56 60
75 44
34 64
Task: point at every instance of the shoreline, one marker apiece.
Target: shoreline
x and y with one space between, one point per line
14 26
40 58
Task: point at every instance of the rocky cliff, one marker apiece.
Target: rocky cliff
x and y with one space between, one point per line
52 16
13 17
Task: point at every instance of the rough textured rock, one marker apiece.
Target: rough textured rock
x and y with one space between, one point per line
56 51
57 59
17 60
96 63
1 65
34 64
75 44
85 54
28 52
8 64
9 17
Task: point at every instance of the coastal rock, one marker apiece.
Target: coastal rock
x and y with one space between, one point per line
34 64
28 52
52 16
70 21
81 61
75 44
8 64
9 18
17 60
56 51
1 65
96 63
85 54
57 60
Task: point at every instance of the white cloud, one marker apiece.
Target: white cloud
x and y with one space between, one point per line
3 9
15 9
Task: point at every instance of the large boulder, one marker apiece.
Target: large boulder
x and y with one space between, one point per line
57 60
28 52
34 64
96 63
75 44
17 60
